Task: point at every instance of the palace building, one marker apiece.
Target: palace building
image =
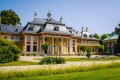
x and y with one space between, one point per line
111 41
62 39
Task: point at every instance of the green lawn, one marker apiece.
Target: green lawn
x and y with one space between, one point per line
19 63
104 74
89 59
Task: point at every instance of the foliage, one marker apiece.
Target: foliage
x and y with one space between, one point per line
34 54
83 48
9 17
104 36
118 41
5 75
28 54
45 47
96 36
88 50
101 48
52 60
8 51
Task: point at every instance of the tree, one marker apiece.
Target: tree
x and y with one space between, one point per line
118 41
45 48
83 48
101 49
88 50
8 51
96 36
104 36
9 17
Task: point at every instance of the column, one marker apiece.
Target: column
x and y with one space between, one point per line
52 45
67 46
61 45
76 46
43 42
70 45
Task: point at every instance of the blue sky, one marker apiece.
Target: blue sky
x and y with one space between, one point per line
100 16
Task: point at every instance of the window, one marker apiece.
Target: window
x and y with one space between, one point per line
0 28
28 47
16 38
73 41
85 35
56 28
45 39
16 30
35 39
28 38
31 28
5 37
68 49
60 40
34 48
70 31
73 49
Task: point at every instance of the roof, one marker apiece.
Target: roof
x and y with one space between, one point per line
10 29
35 29
38 21
113 35
52 21
62 29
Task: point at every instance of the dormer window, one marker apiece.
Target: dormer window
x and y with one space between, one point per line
85 35
16 30
70 31
56 28
0 28
31 28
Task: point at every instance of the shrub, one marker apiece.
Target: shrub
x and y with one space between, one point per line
88 50
45 47
52 60
34 54
28 54
8 51
88 55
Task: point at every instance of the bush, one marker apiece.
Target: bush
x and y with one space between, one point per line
28 54
34 54
52 60
8 51
88 55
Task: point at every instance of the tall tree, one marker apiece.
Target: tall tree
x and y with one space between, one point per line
118 40
9 17
96 36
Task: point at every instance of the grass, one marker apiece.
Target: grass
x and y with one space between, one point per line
19 63
51 71
89 59
104 74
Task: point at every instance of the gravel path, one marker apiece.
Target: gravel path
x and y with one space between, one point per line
67 64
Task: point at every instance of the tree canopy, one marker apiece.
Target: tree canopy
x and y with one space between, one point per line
118 41
9 17
96 36
8 51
